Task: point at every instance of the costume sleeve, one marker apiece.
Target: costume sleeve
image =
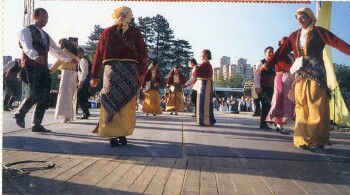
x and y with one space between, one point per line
25 38
283 50
58 53
100 50
147 78
143 57
55 66
332 40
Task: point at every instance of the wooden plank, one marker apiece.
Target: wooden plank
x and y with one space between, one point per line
192 177
92 174
112 178
239 180
158 183
144 179
207 176
223 178
175 182
58 162
68 164
124 182
314 177
76 169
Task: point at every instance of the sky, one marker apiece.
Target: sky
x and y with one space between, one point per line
236 30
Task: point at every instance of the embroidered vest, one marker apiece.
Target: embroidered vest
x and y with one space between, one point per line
267 76
39 44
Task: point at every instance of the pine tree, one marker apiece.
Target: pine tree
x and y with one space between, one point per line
181 55
94 37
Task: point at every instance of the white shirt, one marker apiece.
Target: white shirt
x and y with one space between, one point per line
257 76
84 69
192 80
25 38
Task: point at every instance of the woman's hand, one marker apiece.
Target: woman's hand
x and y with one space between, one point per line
94 82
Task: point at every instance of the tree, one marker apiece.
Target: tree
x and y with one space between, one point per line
163 41
342 72
182 53
94 37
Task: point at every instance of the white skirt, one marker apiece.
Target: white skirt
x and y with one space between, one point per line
67 95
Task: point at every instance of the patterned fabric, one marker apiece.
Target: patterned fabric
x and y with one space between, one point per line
204 109
120 84
313 69
282 108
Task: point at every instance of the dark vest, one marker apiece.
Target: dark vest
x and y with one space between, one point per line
39 45
267 77
88 77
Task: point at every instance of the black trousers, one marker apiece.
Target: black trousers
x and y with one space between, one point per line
194 99
39 81
83 99
257 110
265 97
10 89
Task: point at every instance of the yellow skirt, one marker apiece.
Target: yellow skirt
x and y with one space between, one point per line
152 102
312 122
176 102
123 122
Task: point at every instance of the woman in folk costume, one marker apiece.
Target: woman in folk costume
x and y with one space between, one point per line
312 122
150 84
175 82
204 88
67 94
282 107
122 51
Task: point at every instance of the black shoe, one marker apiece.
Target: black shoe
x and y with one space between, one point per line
318 147
154 115
113 142
122 140
176 114
20 120
256 115
40 128
146 114
6 109
171 113
194 115
264 127
304 147
281 130
83 117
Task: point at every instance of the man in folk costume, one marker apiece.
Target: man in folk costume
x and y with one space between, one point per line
36 45
175 82
11 82
84 76
193 64
264 82
311 93
150 85
122 51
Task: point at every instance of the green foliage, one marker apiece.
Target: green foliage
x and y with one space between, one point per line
55 85
343 76
235 81
94 37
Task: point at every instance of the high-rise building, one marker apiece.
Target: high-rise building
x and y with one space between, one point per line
6 59
224 60
216 74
